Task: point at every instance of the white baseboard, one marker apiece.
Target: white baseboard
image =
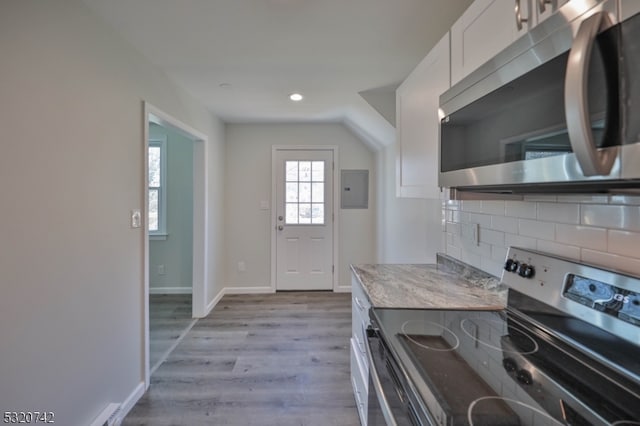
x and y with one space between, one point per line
342 289
249 290
213 303
131 400
170 290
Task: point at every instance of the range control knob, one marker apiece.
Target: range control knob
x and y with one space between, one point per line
512 265
526 271
523 376
510 365
507 264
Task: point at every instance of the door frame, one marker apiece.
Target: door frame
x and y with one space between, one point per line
334 212
200 221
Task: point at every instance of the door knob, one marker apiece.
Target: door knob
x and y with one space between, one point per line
280 227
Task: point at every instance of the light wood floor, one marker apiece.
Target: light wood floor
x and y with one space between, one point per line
169 318
277 359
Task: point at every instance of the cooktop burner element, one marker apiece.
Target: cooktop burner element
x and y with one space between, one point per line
419 331
475 417
527 345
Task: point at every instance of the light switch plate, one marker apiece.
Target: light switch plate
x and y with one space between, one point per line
136 218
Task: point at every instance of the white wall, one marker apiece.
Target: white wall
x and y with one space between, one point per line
71 169
603 230
175 253
248 182
409 229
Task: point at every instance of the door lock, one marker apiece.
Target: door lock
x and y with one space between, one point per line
280 227
280 218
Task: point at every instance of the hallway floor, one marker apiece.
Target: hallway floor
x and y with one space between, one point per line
169 318
275 359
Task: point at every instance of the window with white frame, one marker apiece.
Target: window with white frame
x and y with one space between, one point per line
157 187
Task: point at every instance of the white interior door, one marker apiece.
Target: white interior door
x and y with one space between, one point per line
304 219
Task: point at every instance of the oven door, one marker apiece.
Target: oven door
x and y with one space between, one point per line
388 402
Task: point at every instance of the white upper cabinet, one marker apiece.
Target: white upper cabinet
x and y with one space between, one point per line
484 29
545 8
417 124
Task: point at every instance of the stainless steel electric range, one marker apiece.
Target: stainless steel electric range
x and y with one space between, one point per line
565 351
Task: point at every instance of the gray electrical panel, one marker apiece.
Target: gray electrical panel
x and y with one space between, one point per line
354 189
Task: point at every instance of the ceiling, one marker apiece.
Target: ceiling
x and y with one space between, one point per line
242 58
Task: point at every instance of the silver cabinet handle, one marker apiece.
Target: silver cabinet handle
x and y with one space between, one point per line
592 161
358 303
542 5
519 18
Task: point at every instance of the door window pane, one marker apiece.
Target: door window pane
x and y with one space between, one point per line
317 171
305 171
304 214
291 213
317 192
292 192
291 170
317 213
304 192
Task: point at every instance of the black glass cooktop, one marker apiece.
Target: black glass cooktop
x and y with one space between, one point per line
498 368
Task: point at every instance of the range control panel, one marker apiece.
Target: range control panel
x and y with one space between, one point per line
582 291
523 269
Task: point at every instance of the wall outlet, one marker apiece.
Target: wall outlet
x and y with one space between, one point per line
161 270
241 266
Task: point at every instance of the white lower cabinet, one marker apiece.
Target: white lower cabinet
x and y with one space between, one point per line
359 365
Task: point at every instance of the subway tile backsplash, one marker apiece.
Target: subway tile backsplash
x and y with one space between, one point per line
602 230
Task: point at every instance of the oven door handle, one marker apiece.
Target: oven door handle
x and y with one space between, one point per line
375 379
593 162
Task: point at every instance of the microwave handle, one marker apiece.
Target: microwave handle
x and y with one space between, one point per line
592 161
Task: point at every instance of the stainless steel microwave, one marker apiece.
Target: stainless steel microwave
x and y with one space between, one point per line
556 111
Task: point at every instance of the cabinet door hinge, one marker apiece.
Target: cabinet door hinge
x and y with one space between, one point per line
333 269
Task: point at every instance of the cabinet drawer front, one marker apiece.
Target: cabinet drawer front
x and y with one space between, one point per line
360 382
359 318
358 296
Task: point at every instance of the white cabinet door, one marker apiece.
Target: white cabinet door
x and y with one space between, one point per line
483 30
544 8
417 124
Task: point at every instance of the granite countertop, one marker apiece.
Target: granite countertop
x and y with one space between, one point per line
448 284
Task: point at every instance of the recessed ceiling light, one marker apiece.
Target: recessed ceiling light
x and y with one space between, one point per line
296 97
